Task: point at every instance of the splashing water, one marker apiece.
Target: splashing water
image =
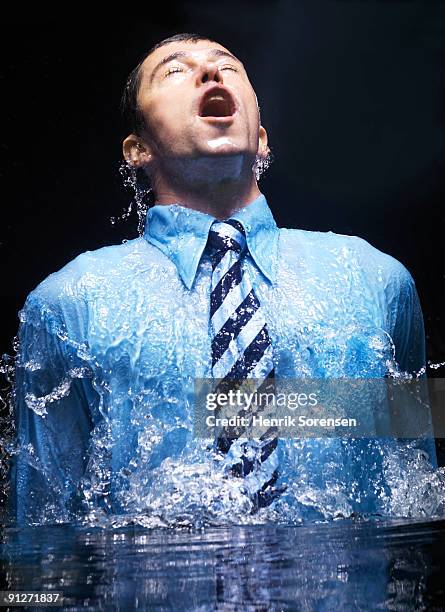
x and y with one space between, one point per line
144 464
133 179
436 366
7 429
184 490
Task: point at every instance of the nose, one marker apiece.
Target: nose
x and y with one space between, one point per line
209 72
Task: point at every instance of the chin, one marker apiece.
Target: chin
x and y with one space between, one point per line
221 145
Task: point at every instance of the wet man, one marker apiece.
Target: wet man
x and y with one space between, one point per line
111 344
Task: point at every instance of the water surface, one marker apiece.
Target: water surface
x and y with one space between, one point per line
342 565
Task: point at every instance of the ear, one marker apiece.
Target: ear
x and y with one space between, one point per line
263 149
136 151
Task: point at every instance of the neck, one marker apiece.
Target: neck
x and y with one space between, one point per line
218 196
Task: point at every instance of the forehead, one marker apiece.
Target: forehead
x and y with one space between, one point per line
198 50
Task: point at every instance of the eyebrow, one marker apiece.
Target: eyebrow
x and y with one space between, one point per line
185 54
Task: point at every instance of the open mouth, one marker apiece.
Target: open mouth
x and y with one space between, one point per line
217 103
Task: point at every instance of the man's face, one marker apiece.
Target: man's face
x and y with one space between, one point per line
197 100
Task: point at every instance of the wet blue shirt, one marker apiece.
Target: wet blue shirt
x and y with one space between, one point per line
111 345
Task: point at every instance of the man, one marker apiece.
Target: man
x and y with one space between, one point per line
111 344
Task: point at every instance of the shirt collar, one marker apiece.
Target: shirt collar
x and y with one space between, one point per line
181 234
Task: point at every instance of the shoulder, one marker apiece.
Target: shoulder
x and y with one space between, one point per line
388 271
75 282
341 249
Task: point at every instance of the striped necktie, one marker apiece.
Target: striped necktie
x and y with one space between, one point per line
241 349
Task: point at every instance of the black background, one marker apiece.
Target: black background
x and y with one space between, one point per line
352 95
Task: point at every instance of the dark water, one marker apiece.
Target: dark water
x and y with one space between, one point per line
343 565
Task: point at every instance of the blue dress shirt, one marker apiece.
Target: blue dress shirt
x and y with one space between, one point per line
112 342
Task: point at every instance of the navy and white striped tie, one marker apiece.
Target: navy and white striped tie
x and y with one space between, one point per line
241 348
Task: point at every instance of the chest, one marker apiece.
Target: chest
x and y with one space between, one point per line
154 327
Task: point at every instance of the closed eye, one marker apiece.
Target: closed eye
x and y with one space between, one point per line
228 67
173 70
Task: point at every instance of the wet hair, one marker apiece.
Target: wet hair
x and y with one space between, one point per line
133 117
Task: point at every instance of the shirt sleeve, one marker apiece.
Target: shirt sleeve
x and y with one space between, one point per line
410 354
408 328
55 403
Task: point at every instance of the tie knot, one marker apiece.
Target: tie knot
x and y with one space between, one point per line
227 236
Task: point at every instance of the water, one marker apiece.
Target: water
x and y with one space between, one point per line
144 462
171 531
142 194
344 565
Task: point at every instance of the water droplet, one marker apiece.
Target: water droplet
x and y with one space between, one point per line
138 183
